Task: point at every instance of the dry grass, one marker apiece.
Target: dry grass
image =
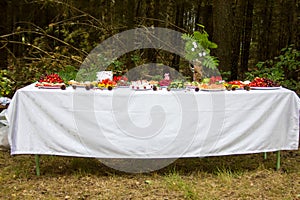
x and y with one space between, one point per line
227 177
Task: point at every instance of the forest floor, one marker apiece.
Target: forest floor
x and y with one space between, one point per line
226 177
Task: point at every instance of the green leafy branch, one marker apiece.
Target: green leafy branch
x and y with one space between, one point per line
197 48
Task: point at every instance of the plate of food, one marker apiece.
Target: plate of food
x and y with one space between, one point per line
177 89
213 90
141 89
50 87
212 87
263 84
265 88
123 86
45 85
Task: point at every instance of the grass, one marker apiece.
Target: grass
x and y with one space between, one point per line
211 178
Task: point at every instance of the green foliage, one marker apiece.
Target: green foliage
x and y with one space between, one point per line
176 183
197 48
25 74
69 72
284 69
136 58
226 75
211 62
6 84
87 74
118 67
157 77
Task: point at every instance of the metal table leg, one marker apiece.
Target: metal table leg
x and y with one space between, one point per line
265 155
278 160
37 164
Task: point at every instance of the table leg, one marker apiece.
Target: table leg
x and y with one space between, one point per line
37 164
265 155
278 160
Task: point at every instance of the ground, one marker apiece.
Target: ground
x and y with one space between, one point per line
226 177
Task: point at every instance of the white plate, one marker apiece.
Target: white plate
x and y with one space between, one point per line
191 87
123 86
212 90
78 86
49 87
142 89
177 89
265 88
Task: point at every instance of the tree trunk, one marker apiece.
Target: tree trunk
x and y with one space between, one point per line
296 25
129 16
198 14
265 33
238 13
3 30
207 18
246 37
222 34
288 26
178 23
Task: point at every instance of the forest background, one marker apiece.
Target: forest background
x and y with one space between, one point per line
254 37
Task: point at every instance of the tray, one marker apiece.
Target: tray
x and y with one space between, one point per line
212 90
265 88
49 87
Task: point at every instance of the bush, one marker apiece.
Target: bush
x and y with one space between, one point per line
6 84
284 69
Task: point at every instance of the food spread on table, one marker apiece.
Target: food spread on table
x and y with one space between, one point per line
51 81
87 84
121 81
213 83
141 85
263 83
177 85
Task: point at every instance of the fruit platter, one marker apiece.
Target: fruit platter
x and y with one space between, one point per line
235 85
106 84
51 81
121 81
192 85
263 84
87 84
212 87
215 83
177 85
141 85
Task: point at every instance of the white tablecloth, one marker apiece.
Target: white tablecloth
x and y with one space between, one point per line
152 124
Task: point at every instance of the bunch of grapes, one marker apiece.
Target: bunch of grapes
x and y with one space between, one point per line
271 83
263 82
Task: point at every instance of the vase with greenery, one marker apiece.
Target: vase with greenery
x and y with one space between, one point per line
197 52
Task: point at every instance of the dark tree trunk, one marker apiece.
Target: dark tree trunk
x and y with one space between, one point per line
207 14
288 24
150 13
296 25
264 49
238 11
198 14
4 29
129 16
130 10
204 16
178 23
246 37
222 34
